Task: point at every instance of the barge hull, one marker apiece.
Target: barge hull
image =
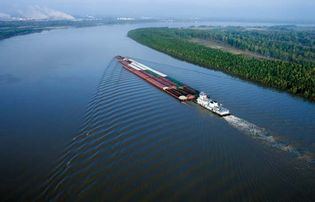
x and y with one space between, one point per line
158 80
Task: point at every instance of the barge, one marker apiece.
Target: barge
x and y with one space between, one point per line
171 86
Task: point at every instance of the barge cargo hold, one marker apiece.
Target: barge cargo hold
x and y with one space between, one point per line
161 81
171 86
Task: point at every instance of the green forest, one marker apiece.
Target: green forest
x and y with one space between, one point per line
289 43
291 66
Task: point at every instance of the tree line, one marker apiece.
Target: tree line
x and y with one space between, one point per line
298 79
287 43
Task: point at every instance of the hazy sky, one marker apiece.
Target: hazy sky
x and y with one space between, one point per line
244 9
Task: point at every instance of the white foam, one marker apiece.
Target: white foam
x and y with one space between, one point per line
259 133
248 128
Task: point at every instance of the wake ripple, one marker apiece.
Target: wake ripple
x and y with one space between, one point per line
118 125
265 136
147 147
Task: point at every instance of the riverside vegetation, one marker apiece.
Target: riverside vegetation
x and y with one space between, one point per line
286 53
15 28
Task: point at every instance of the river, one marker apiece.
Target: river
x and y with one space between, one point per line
77 126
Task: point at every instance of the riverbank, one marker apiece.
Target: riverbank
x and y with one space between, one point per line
297 79
10 29
78 133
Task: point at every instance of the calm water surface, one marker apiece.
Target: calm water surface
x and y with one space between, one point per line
76 126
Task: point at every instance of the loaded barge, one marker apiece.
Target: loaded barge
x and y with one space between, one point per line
171 86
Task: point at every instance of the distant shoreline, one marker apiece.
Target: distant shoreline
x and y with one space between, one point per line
10 29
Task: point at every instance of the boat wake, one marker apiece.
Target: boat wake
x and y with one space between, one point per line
130 144
264 136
